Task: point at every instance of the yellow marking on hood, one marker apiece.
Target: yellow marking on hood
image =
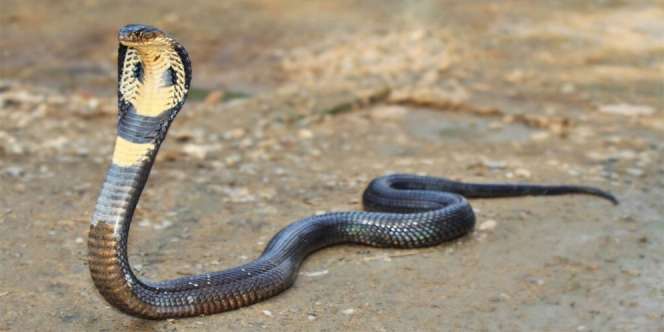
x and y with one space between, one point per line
130 154
151 97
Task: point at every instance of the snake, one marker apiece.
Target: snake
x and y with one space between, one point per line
399 210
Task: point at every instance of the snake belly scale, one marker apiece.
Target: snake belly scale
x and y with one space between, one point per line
402 211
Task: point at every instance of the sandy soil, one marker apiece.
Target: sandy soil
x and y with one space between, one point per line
296 106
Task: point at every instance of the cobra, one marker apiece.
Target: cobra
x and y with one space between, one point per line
402 211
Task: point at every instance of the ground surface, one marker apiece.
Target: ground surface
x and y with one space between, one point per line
296 106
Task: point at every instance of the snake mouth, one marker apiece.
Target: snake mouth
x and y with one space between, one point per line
141 35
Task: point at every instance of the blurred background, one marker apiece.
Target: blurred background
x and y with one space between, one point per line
295 106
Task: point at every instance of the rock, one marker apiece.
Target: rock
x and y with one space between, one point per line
349 311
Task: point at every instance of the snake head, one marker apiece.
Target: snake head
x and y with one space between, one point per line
140 35
154 75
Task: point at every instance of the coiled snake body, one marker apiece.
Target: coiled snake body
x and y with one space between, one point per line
406 211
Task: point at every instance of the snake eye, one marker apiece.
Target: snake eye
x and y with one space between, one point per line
148 34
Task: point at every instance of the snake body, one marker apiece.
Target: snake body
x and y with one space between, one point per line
404 211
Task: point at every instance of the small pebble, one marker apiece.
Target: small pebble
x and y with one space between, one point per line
627 109
568 88
199 151
494 164
632 272
144 223
236 133
14 171
315 273
268 313
232 159
540 136
348 311
305 134
214 97
522 173
536 281
487 225
388 113
634 172
164 224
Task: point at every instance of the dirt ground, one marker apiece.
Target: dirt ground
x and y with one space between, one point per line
295 107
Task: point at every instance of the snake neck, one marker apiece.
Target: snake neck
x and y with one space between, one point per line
121 190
